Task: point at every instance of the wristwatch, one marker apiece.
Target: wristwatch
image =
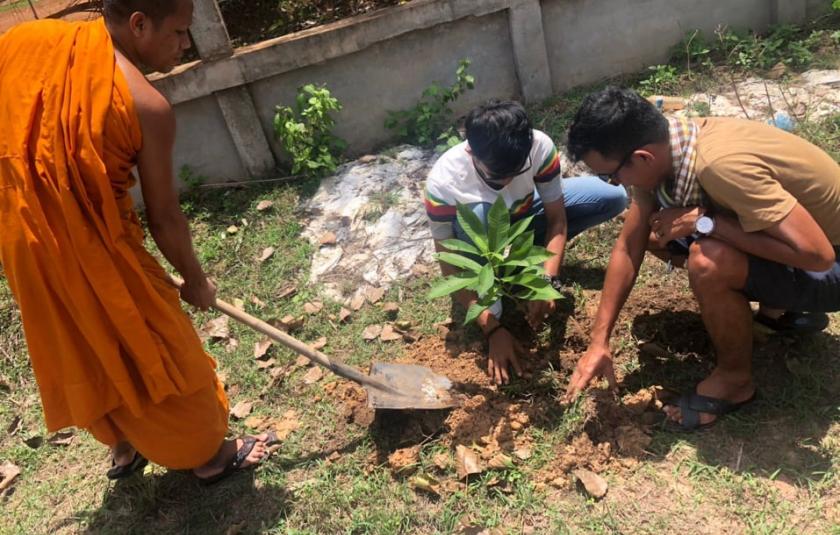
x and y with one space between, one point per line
704 226
554 280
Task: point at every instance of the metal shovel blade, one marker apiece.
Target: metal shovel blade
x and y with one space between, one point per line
409 387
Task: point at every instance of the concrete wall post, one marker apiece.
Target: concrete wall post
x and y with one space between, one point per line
213 43
529 49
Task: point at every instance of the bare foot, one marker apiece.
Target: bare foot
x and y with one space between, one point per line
123 454
228 451
720 387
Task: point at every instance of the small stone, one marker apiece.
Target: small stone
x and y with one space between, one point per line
328 239
595 485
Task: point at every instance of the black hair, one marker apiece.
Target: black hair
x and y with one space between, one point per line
500 135
120 11
614 122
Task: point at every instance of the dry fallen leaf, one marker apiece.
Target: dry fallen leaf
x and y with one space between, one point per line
264 205
426 483
466 462
302 362
358 301
313 375
287 291
522 453
328 239
241 409
285 426
217 328
257 302
233 229
261 347
313 308
232 345
267 253
390 307
14 426
594 484
263 364
343 314
291 323
34 442
501 462
256 422
8 473
62 438
441 460
374 295
372 332
389 334
320 343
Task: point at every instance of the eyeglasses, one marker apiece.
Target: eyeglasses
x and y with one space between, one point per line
498 179
609 178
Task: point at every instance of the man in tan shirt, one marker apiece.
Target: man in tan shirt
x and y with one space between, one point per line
755 210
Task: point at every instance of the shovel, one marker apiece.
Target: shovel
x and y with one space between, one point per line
389 385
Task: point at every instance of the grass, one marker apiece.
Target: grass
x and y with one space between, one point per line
771 469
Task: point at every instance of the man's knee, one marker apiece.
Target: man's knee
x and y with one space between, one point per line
713 263
615 201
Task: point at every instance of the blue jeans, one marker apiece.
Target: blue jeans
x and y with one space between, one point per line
589 202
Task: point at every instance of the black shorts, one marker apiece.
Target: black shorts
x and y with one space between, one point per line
779 286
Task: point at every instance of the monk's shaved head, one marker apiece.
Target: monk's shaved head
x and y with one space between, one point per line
120 11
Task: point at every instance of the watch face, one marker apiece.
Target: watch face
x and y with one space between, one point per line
705 225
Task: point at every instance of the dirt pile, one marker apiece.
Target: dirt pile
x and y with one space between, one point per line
496 423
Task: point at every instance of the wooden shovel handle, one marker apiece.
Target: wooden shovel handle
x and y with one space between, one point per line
332 364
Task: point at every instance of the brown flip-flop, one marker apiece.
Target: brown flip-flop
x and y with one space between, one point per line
235 463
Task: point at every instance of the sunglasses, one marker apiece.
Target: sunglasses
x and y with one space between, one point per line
493 178
609 178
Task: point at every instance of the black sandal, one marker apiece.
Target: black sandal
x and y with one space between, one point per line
127 470
236 461
795 322
692 404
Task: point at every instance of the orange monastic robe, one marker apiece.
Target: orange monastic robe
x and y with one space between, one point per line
111 348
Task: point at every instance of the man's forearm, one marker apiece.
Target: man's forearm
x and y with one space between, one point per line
556 239
175 243
763 245
621 276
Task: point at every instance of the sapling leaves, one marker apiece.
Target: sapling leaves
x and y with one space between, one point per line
452 284
461 246
501 261
473 226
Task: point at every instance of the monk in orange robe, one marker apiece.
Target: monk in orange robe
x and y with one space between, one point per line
110 346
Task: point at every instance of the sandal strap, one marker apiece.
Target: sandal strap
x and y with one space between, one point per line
718 407
242 453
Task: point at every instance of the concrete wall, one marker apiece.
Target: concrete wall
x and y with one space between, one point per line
589 40
392 75
383 61
203 142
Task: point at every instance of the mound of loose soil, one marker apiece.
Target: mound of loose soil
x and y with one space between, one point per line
497 423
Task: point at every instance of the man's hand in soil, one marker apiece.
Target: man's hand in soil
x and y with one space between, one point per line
538 312
673 223
502 357
596 362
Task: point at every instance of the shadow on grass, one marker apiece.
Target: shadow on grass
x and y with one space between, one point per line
175 502
797 381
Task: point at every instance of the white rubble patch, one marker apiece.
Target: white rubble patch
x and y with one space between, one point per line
374 206
813 95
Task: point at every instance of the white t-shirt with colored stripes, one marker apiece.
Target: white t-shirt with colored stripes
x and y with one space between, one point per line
453 179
